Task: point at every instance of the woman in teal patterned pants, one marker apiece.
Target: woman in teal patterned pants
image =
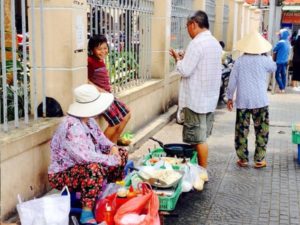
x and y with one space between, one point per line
260 119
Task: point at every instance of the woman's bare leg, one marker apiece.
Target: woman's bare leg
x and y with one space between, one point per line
121 127
113 133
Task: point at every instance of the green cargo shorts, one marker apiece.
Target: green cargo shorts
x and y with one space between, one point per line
197 127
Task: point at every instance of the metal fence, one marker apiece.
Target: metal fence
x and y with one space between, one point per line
181 9
127 26
17 76
210 10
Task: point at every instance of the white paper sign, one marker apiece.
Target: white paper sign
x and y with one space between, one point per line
79 30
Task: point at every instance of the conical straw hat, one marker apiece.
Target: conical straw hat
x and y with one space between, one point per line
253 43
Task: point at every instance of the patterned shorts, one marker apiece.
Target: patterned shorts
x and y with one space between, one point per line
197 127
115 113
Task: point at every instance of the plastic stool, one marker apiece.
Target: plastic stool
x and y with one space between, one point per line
75 203
298 159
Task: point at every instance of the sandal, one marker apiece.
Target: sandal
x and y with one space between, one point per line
261 164
242 163
87 218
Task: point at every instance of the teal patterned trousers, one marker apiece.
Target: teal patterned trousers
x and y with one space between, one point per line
260 117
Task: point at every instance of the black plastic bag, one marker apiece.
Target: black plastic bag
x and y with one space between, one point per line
53 108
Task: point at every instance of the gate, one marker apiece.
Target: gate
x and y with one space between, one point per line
18 86
127 26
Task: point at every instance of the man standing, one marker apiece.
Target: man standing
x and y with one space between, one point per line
282 50
200 69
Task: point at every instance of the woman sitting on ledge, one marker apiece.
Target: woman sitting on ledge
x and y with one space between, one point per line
81 156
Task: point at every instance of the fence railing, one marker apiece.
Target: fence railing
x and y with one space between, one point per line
210 10
181 9
18 70
127 26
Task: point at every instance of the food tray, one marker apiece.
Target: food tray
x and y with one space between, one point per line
166 203
295 135
159 152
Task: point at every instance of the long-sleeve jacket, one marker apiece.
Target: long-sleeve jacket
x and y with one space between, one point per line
75 142
249 78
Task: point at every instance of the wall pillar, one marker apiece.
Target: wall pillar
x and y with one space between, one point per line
199 5
161 26
245 19
252 19
238 19
218 29
65 41
257 22
271 21
231 25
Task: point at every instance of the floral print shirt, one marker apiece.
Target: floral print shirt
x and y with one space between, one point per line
76 142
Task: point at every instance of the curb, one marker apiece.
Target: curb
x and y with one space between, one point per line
150 129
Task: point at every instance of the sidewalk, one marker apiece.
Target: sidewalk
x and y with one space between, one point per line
236 195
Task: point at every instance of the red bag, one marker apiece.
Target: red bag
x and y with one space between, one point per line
147 204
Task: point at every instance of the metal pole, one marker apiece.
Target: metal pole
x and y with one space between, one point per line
43 57
3 58
91 20
272 9
14 55
33 60
25 68
96 20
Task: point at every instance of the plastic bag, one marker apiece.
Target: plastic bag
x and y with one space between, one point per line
199 175
48 210
146 204
187 180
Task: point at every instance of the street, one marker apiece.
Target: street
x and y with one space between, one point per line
237 195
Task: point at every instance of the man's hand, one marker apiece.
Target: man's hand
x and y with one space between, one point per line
181 54
174 54
230 104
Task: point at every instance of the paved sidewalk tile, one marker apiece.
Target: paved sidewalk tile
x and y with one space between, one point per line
236 195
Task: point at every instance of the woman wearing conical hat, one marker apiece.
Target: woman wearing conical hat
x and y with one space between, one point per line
249 78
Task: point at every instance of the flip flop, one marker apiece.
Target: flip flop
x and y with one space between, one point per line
261 164
242 163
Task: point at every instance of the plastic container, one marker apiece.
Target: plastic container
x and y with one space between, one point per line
169 203
159 152
166 203
108 215
295 135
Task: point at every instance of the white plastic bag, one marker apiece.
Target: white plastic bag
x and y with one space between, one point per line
49 210
187 180
199 175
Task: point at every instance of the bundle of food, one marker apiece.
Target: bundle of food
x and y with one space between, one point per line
170 160
160 177
194 177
